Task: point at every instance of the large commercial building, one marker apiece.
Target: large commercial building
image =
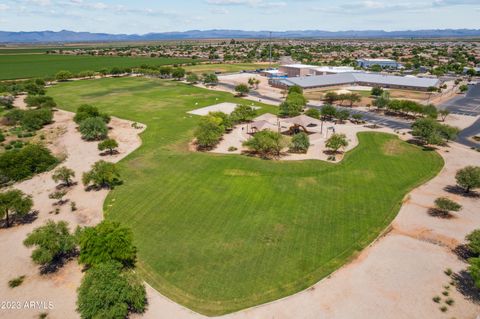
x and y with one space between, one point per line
384 63
362 79
298 70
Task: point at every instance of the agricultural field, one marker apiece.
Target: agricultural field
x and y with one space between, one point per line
22 66
226 68
219 233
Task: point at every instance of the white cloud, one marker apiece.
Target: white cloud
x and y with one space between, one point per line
250 3
3 7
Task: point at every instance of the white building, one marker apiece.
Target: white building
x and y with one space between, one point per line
384 63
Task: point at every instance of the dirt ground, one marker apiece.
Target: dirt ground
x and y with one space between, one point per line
58 288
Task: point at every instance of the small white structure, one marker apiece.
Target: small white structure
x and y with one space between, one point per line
225 107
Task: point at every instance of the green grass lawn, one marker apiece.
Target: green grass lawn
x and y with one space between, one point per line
22 66
225 68
218 233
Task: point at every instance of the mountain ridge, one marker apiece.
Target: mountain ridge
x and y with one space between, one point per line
66 36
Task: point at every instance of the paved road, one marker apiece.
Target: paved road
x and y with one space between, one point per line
466 105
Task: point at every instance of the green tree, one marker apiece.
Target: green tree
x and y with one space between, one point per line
446 205
300 143
102 174
178 73
108 292
242 89
330 97
243 113
63 174
14 202
109 144
266 143
463 88
210 79
342 115
431 132
353 98
443 114
93 129
336 142
313 113
289 109
63 75
468 178
51 241
328 112
192 78
382 101
474 270
107 242
86 111
295 89
473 241
377 91
209 132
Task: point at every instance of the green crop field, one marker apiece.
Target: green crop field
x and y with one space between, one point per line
22 66
218 233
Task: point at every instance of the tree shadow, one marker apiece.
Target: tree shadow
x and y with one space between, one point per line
65 186
58 262
463 252
440 213
108 153
457 190
466 286
23 220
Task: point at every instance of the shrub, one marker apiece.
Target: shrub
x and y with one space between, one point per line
107 242
300 143
377 91
19 164
109 144
86 111
436 299
36 119
446 205
63 76
473 242
243 113
242 89
102 174
266 143
108 292
192 78
450 301
15 282
336 142
474 270
468 178
40 101
448 272
52 241
93 129
63 174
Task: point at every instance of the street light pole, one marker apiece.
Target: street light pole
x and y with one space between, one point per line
270 49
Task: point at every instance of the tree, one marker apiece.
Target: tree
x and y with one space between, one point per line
243 113
63 174
342 115
297 99
328 112
14 202
107 242
295 89
266 143
209 132
63 76
431 132
178 73
313 113
107 291
102 174
58 195
86 111
192 78
377 91
300 143
468 178
444 114
445 205
353 98
474 270
93 129
109 144
357 117
289 109
383 100
463 88
210 79
473 241
52 241
242 89
330 97
336 142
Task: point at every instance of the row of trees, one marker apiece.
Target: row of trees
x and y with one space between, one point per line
431 132
332 97
212 127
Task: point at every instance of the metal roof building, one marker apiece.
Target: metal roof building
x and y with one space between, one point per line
366 79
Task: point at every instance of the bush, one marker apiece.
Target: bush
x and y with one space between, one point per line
266 143
40 101
446 205
109 144
36 119
63 174
242 89
52 242
474 270
468 178
63 76
243 113
86 111
473 242
108 292
93 129
19 164
377 91
209 132
107 242
295 89
16 282
102 174
300 143
336 142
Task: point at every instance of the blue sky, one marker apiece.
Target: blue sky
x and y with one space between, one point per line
144 16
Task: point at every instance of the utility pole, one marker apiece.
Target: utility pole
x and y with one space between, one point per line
270 49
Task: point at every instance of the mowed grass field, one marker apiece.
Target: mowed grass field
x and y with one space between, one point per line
225 68
219 233
23 66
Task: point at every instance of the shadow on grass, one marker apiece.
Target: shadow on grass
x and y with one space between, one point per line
466 286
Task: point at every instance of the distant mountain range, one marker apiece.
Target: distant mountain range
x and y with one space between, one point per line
65 36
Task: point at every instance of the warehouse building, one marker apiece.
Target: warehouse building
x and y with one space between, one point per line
361 79
298 70
384 63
